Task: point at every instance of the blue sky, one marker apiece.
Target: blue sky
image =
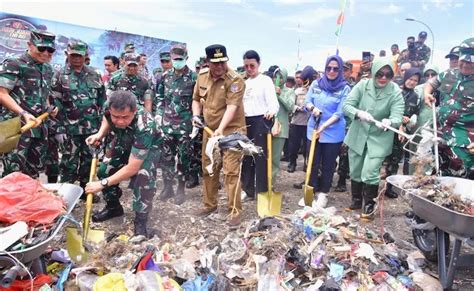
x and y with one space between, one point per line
270 27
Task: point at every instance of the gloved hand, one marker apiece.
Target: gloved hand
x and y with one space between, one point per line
197 121
60 137
384 123
364 116
412 122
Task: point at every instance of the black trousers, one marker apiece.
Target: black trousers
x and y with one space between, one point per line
324 157
254 169
297 135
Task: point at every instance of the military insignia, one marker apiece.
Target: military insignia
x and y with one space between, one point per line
234 87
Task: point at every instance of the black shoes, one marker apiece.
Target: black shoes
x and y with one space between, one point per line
109 211
341 185
180 194
193 181
291 168
356 194
390 193
167 191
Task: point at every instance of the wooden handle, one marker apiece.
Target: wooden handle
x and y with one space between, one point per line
312 148
208 130
29 125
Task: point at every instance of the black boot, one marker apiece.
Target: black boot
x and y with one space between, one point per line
52 179
180 194
356 193
389 191
369 194
139 224
341 185
291 167
193 181
167 191
111 210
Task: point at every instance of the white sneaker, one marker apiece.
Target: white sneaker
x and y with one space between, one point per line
243 195
322 201
301 202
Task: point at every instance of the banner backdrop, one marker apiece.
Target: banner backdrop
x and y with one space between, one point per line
15 33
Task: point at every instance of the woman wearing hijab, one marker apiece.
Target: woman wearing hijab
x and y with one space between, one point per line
324 100
380 99
412 110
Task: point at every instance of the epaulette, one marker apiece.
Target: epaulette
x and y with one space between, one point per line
203 71
232 74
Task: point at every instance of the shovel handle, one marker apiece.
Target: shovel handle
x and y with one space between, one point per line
30 124
208 130
312 149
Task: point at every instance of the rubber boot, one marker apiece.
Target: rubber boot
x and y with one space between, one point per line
193 181
389 191
180 193
341 185
369 194
52 179
356 193
111 210
167 191
140 224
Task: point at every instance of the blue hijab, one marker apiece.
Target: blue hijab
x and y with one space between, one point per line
336 84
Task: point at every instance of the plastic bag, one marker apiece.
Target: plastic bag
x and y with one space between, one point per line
25 199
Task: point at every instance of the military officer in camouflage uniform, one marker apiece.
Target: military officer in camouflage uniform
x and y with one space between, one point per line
173 115
456 113
81 94
422 50
130 80
25 84
165 60
132 152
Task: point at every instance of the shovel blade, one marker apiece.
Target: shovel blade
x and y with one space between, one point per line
9 134
308 195
75 245
269 204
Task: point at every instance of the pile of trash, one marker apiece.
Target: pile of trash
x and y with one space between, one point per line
312 249
443 194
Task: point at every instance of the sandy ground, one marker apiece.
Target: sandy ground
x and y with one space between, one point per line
177 224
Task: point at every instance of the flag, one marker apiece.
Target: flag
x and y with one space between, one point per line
340 18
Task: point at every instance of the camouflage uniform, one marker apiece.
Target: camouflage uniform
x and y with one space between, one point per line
456 117
29 83
424 54
412 107
140 139
81 96
51 161
136 84
174 100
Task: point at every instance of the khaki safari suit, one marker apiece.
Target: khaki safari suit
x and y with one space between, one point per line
215 95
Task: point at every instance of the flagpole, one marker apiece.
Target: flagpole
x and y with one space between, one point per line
340 23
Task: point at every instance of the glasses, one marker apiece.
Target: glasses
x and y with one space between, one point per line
387 75
251 66
429 75
332 69
50 50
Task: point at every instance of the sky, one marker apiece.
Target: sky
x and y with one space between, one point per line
276 29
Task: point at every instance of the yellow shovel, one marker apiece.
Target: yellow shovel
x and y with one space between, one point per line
77 246
269 203
309 190
10 132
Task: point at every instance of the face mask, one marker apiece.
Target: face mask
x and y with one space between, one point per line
179 64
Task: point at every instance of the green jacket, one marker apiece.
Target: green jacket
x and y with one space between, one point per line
386 102
286 99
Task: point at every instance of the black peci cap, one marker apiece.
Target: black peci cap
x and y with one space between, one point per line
216 53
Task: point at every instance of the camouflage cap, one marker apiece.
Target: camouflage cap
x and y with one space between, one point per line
178 51
466 50
348 65
165 56
131 58
42 38
454 52
77 47
129 47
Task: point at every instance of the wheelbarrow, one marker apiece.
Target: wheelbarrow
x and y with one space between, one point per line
31 257
447 223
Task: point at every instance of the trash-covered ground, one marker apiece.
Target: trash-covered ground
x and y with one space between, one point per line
300 250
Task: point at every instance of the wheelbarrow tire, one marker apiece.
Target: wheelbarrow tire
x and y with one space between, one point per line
425 241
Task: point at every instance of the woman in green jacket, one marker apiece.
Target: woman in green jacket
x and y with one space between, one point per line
286 99
371 99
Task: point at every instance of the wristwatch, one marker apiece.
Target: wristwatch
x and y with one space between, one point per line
104 182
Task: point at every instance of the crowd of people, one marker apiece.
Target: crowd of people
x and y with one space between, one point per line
143 120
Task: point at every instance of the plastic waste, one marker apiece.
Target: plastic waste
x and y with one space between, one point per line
86 281
426 282
366 251
384 277
201 283
336 271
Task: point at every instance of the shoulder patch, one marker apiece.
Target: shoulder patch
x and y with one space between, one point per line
203 71
234 87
